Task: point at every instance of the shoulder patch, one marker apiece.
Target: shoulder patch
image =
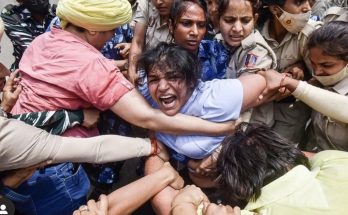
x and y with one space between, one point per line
250 60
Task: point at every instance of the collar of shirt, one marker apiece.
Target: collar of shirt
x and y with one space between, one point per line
341 87
271 41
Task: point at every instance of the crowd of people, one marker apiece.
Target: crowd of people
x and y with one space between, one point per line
231 106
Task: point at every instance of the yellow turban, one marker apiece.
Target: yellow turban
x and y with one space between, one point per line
94 15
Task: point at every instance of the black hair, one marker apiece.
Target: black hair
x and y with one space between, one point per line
223 6
179 7
332 38
173 57
251 158
264 13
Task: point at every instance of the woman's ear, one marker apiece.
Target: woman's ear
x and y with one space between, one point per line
275 10
256 17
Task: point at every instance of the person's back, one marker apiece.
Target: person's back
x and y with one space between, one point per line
320 190
24 22
277 178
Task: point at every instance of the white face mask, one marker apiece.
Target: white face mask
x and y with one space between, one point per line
294 23
330 80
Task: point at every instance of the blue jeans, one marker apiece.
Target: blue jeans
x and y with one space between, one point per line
58 189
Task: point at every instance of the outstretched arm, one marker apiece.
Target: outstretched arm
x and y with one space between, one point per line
253 85
314 97
128 198
133 108
34 145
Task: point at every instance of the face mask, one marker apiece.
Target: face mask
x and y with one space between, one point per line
294 23
37 6
330 80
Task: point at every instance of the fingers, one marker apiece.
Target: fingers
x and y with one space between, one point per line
17 91
10 83
76 212
103 203
120 45
214 209
84 209
91 205
124 49
236 210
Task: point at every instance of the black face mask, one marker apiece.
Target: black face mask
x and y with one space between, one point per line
37 6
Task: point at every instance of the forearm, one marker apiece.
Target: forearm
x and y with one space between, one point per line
126 199
101 149
185 208
253 85
134 52
136 48
317 99
133 108
33 145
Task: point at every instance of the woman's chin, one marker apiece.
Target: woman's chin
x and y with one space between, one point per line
202 181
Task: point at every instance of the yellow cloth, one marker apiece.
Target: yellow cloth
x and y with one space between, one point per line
323 190
94 15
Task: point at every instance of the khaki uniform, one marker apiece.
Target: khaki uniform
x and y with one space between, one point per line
253 55
324 132
321 6
336 14
23 145
291 118
156 32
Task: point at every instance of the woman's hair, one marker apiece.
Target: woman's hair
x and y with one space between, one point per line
171 58
332 38
265 14
223 6
179 7
250 158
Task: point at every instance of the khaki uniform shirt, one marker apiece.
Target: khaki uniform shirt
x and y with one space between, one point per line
290 119
253 55
326 133
336 14
156 32
292 49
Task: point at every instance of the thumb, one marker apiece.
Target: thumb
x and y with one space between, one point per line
119 46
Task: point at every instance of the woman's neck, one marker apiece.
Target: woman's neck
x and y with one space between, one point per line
276 30
164 19
71 29
215 23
